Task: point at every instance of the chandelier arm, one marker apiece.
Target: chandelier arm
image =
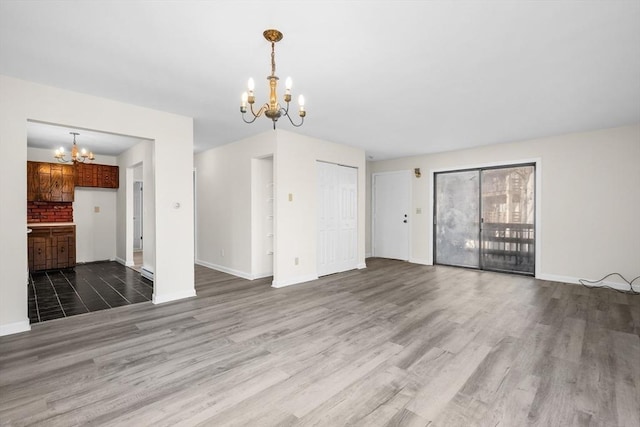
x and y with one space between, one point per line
260 111
286 113
249 121
296 125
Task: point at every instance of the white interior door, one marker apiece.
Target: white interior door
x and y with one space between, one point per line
391 204
337 218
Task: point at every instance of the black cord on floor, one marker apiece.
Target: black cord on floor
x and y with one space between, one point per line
592 284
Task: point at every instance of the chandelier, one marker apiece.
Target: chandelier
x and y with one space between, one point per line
77 156
272 109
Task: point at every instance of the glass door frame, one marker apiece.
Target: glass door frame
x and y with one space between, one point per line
480 169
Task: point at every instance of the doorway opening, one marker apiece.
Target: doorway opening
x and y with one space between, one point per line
263 214
96 276
138 218
484 218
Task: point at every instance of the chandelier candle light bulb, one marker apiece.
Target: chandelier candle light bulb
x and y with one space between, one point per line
271 109
243 102
301 104
287 89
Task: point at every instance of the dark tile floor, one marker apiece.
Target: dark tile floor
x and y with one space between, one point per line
90 287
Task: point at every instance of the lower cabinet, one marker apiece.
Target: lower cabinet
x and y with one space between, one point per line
52 247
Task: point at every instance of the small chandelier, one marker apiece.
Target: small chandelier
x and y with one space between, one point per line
77 156
272 109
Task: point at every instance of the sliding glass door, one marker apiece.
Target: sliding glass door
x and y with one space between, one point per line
485 218
457 227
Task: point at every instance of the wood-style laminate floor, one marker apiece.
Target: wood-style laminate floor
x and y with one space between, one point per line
394 344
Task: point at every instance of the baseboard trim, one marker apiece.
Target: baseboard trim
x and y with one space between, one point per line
147 273
293 281
15 328
123 262
160 299
576 281
419 261
238 273
362 266
261 276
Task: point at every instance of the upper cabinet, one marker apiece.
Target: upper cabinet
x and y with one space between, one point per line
49 182
92 175
55 182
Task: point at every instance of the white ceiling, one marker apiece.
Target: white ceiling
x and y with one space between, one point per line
396 78
45 135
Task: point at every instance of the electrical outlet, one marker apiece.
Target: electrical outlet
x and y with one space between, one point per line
291 197
296 261
222 253
418 210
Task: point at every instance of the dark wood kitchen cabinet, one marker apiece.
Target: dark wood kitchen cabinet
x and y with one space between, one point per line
100 176
52 247
50 182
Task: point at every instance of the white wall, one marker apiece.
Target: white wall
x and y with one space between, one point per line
296 227
95 231
589 199
224 203
20 101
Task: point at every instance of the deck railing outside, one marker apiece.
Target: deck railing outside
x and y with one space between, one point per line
508 246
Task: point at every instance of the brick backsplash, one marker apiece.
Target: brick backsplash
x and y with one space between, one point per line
49 212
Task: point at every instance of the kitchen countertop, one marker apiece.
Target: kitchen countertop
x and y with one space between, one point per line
48 224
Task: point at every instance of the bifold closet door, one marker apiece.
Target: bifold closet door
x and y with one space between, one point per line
337 218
